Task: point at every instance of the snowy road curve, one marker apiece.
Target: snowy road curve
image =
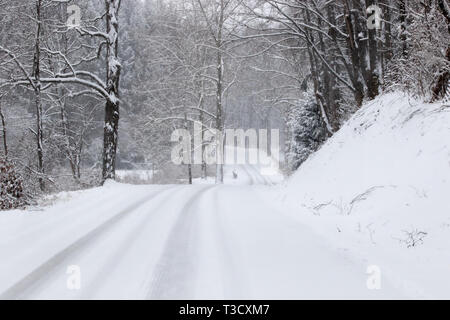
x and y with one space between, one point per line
174 242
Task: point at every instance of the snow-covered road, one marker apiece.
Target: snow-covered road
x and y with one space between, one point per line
173 242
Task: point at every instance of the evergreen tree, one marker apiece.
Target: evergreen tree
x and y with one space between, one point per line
307 133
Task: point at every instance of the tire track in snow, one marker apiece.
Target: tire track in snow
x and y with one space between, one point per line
257 175
265 179
38 276
175 272
233 281
251 177
132 237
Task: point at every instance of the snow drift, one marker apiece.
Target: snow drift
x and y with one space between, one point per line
379 190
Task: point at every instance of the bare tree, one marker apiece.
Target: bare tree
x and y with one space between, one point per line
4 131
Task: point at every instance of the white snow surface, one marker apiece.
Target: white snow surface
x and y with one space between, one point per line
251 238
380 185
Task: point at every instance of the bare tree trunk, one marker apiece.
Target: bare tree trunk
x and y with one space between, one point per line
373 77
71 152
189 164
38 98
203 168
403 27
315 75
287 139
441 86
386 50
325 83
335 94
2 117
111 129
189 173
78 155
65 131
388 31
359 37
219 109
355 58
219 119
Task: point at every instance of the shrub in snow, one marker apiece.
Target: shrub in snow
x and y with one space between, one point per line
413 238
11 192
307 133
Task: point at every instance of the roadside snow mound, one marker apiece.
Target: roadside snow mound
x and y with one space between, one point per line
393 146
380 189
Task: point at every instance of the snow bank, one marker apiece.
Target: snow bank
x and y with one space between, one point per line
379 190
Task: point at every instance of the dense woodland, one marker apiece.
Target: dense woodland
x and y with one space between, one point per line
89 87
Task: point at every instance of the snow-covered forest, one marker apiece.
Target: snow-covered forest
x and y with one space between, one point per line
93 91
